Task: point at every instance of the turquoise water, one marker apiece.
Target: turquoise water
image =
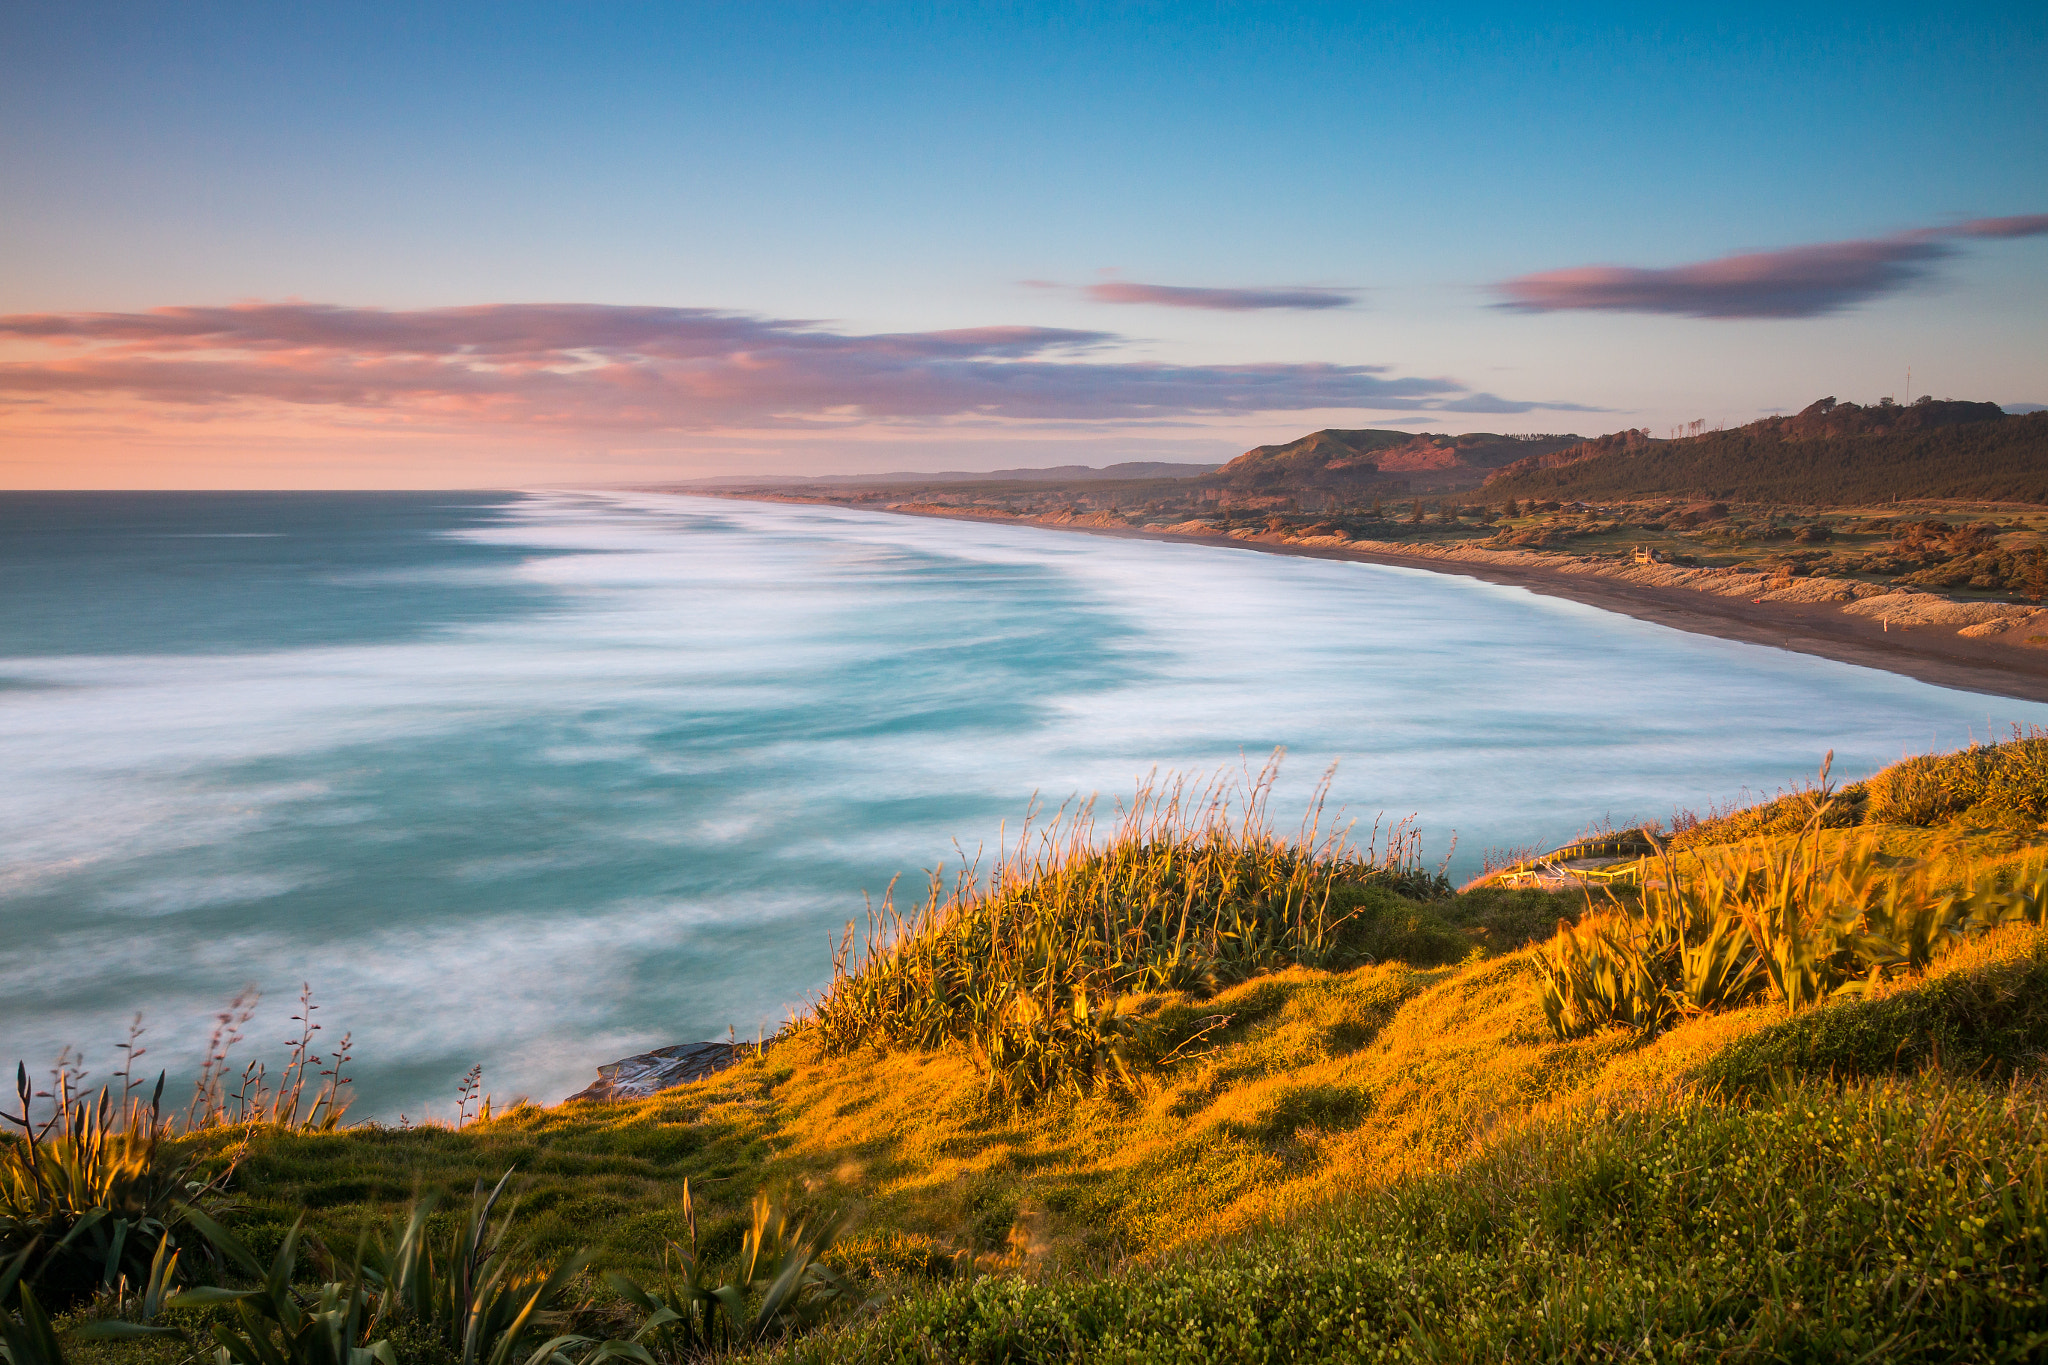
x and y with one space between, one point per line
538 780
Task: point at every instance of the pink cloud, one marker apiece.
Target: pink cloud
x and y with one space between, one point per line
1226 300
1797 282
2021 225
599 367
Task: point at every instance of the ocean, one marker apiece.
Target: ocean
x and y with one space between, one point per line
537 780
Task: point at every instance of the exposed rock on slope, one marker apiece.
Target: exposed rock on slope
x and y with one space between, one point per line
665 1068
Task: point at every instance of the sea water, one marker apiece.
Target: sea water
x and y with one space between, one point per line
537 780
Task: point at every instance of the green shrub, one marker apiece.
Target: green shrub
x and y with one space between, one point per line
1902 1221
781 1282
2007 782
1788 814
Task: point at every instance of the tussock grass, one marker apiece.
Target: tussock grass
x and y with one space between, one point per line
1190 888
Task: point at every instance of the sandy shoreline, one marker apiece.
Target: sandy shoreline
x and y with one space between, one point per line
1854 632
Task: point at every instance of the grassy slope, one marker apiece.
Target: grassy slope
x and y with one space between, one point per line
1320 1083
1502 1197
1391 1161
910 1138
1871 1222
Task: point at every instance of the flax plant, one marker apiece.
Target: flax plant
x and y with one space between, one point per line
276 1321
90 1196
301 1099
471 1288
98 1187
781 1282
1783 919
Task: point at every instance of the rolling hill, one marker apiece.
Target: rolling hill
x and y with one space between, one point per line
1334 460
1829 453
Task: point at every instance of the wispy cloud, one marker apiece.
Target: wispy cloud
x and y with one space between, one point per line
1304 297
1797 282
599 367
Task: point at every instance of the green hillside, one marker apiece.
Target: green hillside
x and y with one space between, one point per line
1825 455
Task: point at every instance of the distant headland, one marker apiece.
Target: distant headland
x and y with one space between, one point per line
1907 537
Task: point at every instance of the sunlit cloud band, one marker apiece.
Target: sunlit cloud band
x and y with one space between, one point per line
1298 297
1797 282
593 366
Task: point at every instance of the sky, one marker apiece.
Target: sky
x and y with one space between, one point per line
453 246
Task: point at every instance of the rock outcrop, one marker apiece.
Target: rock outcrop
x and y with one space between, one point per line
665 1068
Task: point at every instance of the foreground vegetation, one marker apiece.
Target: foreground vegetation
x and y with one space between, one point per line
1186 1089
1885 1221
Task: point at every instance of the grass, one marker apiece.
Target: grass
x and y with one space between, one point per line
1353 1132
1029 971
1319 1080
1799 920
1892 1221
1985 786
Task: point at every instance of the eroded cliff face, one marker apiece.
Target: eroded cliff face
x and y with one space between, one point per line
1339 459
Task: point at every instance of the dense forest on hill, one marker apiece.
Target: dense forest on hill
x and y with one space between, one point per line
1835 454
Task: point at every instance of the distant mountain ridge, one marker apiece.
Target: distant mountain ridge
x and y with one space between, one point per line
1829 452
1065 473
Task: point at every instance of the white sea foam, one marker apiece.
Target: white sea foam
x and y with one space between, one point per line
629 809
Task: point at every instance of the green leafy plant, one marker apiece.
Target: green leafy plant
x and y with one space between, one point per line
91 1196
482 1300
1786 919
472 1288
781 1283
1034 1048
25 1334
278 1323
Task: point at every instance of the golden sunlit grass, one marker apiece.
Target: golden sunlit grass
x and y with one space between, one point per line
1343 1093
1321 1083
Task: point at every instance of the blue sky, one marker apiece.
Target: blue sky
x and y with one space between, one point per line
907 169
